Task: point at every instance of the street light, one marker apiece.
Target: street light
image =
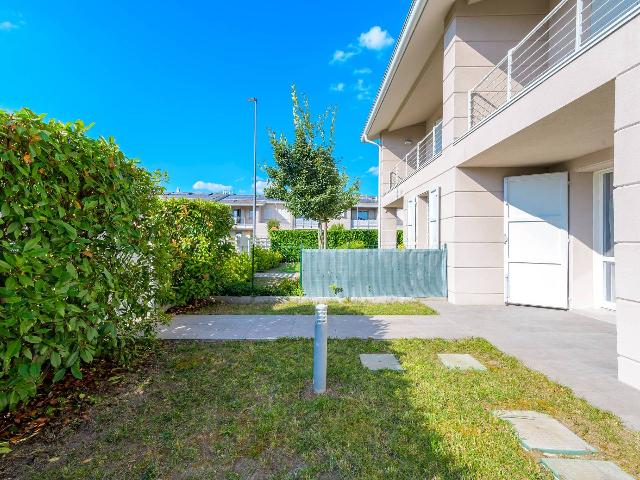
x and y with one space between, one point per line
254 100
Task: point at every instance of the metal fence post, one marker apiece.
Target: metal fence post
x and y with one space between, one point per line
300 273
320 350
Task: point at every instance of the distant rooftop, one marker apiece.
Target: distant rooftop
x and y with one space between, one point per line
242 199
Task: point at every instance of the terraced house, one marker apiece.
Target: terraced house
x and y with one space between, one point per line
509 132
362 215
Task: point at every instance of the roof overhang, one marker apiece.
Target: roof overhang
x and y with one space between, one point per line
412 66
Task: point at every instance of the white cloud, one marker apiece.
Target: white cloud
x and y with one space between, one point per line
375 39
211 186
373 171
338 87
260 186
7 25
363 90
362 71
340 56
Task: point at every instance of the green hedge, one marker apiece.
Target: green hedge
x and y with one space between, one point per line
266 259
205 258
290 242
83 258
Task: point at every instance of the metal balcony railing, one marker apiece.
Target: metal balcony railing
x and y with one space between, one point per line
357 223
304 224
243 221
425 152
565 32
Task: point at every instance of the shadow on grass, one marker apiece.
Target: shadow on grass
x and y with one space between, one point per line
245 410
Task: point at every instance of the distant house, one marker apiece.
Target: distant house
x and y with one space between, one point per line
363 215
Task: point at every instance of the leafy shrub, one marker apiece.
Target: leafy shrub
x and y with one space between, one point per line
206 261
290 242
368 238
400 239
83 258
352 245
266 259
336 227
273 224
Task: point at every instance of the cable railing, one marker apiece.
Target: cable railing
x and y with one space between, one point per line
567 30
425 152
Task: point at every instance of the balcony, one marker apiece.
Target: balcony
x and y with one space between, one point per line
356 223
304 224
566 32
425 152
243 222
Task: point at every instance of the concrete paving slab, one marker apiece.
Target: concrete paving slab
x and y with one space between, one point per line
380 361
460 361
545 434
573 469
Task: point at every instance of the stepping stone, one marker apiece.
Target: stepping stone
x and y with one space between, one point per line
380 361
545 434
460 361
572 469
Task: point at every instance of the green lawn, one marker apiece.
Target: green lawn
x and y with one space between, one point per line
308 308
236 410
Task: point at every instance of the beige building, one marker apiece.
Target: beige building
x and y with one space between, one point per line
509 131
363 215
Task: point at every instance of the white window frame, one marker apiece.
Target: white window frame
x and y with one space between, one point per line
598 234
434 218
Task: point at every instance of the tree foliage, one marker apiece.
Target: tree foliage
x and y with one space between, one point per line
306 176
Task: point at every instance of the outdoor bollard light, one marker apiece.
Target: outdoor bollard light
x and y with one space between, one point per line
320 350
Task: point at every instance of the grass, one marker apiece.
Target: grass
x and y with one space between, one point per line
288 267
235 410
308 308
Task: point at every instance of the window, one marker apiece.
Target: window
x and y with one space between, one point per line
363 215
604 258
609 265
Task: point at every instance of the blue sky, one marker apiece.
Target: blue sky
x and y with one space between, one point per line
169 80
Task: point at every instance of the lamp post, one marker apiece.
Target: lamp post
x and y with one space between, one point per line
254 100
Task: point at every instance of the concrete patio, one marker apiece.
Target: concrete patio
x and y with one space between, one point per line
571 348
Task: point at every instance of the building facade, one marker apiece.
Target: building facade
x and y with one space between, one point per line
509 132
363 215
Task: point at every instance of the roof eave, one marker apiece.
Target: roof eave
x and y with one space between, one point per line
415 11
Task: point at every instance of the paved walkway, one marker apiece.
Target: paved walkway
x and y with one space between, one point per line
570 348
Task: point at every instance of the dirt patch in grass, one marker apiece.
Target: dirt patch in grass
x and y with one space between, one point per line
244 410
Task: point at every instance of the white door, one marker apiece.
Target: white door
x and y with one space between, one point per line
536 240
411 223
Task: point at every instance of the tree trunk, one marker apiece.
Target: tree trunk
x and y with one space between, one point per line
320 242
325 227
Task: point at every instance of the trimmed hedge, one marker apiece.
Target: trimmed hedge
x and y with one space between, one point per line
290 242
83 258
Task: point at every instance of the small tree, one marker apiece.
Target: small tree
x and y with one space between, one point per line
306 175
